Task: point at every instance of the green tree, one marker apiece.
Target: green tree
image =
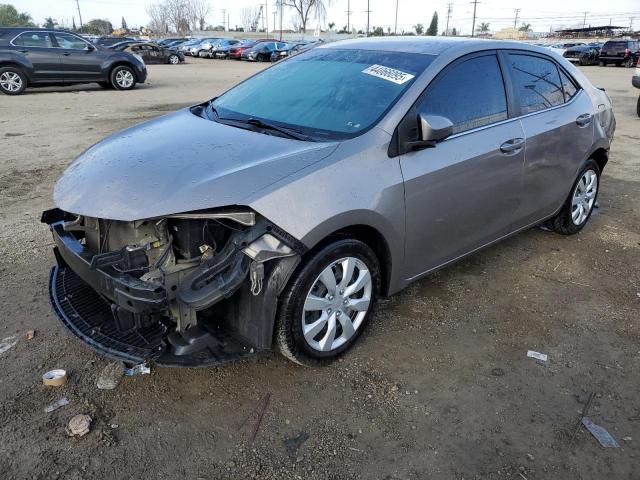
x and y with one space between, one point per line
9 17
377 32
98 27
526 27
483 28
454 32
49 23
433 26
124 24
419 28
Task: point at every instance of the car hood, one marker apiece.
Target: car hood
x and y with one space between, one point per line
178 163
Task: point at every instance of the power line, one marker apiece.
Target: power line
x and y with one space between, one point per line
515 20
449 10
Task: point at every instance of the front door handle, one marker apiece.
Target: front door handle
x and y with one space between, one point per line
584 119
66 54
512 146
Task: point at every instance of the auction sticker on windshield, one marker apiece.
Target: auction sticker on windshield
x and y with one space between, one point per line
391 74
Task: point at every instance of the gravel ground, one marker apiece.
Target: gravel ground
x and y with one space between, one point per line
440 387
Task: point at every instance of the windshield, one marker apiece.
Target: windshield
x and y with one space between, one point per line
325 93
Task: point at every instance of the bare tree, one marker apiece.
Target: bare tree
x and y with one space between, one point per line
248 16
305 7
178 15
159 19
199 10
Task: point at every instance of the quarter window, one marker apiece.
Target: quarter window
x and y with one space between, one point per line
471 94
70 42
33 39
568 86
537 82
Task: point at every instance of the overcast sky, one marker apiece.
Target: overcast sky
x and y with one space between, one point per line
498 13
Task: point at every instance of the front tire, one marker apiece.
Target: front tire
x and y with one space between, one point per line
328 302
13 81
122 78
578 207
174 59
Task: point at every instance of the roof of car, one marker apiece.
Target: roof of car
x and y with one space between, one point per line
425 45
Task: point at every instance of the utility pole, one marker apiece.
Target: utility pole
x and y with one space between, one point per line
266 14
515 20
584 21
368 13
79 14
281 19
274 19
473 25
395 28
449 10
349 16
224 19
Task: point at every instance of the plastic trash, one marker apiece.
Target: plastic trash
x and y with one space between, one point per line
7 343
140 369
56 405
537 355
604 437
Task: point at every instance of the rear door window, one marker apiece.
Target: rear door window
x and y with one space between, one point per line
33 39
471 94
537 82
70 42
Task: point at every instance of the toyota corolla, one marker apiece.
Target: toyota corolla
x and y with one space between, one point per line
279 220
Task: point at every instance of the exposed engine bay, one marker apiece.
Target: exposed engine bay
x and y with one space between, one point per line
204 283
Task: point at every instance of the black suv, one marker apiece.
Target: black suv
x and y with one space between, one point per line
32 57
620 52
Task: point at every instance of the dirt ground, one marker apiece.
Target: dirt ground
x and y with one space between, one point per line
440 387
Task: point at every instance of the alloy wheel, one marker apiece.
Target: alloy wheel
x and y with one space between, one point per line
10 81
337 304
173 59
124 78
584 196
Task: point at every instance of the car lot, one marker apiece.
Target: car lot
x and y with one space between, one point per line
440 387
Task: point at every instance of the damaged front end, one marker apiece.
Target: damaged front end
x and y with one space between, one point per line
188 289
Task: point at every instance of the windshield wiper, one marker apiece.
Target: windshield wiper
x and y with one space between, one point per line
288 132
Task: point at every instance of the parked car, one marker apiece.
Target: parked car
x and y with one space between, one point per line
33 57
237 51
109 40
620 52
261 52
201 46
152 53
582 55
285 227
561 47
294 49
171 40
222 45
635 81
185 47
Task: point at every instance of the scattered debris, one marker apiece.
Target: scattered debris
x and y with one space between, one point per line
537 355
497 372
530 457
56 405
78 426
604 437
55 378
627 439
110 376
584 413
140 369
30 334
7 343
294 443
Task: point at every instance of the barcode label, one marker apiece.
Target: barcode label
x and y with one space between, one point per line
391 74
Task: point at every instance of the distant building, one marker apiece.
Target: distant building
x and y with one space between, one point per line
511 34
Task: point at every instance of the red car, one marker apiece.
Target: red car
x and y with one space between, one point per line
236 51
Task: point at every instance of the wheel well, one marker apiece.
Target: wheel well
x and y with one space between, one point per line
15 65
374 240
601 157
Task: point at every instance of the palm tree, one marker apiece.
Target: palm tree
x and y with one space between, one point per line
483 28
419 28
526 27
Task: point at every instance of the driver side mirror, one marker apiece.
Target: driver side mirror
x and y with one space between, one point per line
89 48
433 129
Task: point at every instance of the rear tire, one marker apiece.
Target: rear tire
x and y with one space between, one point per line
13 81
122 78
629 63
602 64
578 207
343 276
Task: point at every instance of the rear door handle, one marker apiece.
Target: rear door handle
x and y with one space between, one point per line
512 146
584 119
